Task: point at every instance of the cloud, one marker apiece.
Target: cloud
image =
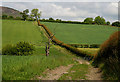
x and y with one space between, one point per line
70 10
60 0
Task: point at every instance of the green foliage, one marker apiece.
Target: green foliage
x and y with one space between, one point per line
4 16
51 19
100 20
21 48
9 50
25 14
109 57
35 13
117 23
18 18
10 17
108 23
88 20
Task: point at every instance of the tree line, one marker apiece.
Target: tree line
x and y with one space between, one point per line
36 14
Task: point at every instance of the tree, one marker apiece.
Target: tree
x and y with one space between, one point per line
10 17
35 13
4 16
25 14
117 23
51 19
100 20
108 23
88 20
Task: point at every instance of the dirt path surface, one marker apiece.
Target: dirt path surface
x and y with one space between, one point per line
94 74
56 73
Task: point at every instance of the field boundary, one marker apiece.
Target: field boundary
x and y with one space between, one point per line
60 43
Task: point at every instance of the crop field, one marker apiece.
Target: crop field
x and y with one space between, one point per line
14 31
80 33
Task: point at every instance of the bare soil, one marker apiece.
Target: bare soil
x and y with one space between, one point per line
55 74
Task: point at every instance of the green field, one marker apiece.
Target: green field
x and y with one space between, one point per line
81 33
14 31
28 67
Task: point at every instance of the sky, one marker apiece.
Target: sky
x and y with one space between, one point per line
72 10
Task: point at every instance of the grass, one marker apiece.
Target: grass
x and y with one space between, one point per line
0 67
81 33
91 51
27 67
15 30
77 72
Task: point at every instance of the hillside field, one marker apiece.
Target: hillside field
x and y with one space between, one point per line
80 33
14 31
28 67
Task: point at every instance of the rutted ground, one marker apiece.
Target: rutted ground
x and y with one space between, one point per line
94 74
71 72
56 73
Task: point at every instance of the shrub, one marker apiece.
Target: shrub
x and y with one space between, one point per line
94 46
4 16
18 18
24 48
108 23
109 57
117 23
9 50
10 17
21 48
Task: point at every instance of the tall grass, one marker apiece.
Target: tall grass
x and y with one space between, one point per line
28 67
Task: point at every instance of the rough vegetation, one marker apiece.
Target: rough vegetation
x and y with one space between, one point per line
108 57
21 48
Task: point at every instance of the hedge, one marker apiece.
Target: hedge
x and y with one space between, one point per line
85 45
60 43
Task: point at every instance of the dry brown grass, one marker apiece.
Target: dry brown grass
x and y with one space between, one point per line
109 56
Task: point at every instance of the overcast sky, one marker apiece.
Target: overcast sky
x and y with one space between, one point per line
76 11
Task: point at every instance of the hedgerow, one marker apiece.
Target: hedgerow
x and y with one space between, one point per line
108 57
60 43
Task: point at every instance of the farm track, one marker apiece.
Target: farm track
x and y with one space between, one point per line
94 74
55 74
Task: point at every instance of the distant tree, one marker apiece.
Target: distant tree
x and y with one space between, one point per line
35 13
10 17
117 23
18 18
100 20
25 14
51 19
43 19
4 16
58 20
88 20
108 23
